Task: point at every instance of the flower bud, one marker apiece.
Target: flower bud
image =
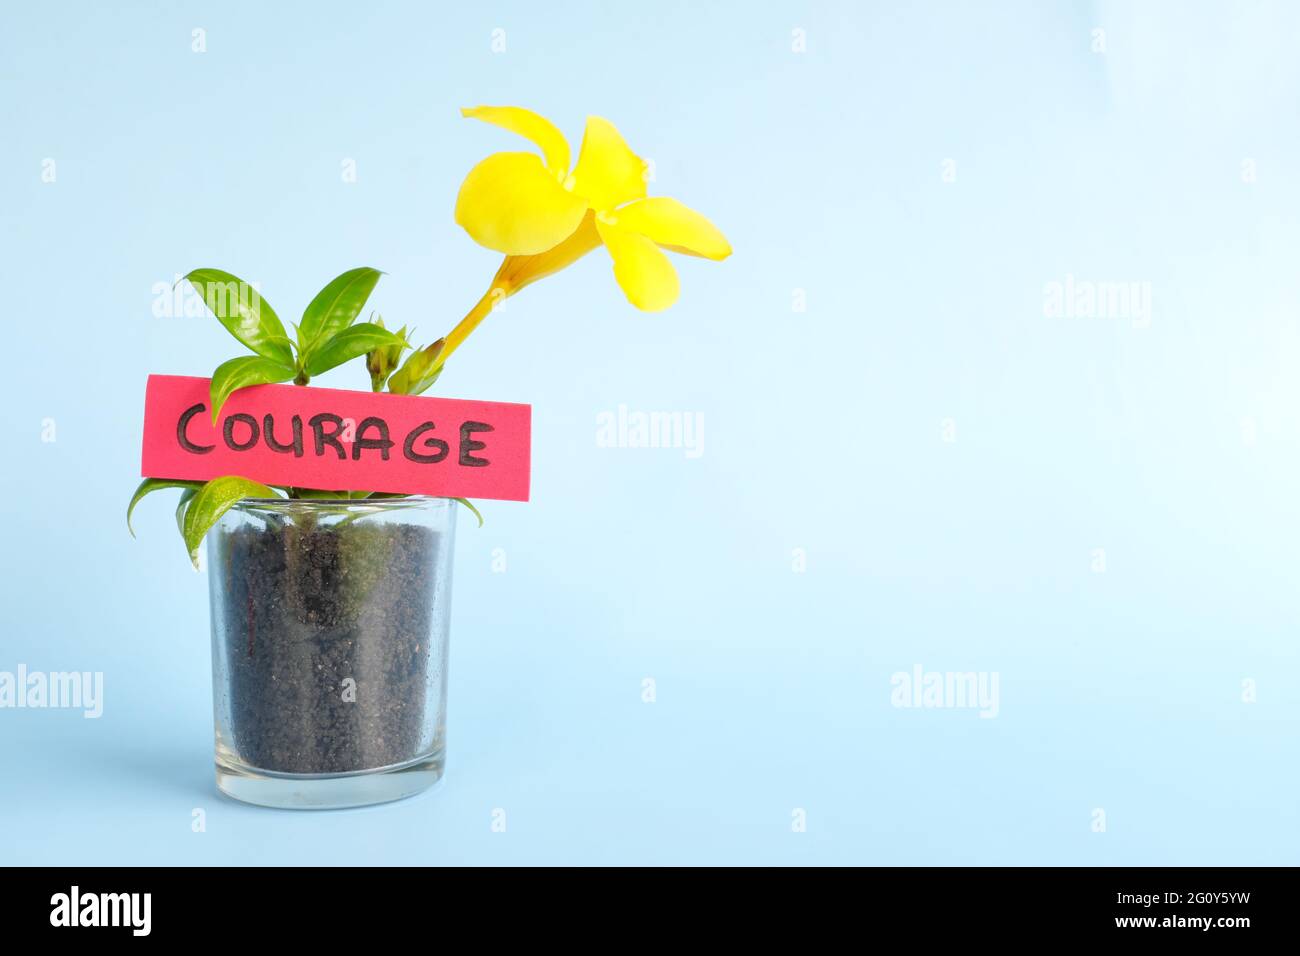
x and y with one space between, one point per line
381 362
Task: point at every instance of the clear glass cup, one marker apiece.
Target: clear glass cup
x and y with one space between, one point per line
329 648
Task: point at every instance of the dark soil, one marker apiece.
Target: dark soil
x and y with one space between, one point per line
304 611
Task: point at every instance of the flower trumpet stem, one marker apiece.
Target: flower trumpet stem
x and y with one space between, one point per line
482 309
519 271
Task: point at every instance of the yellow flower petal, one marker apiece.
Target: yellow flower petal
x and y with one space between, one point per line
644 273
608 173
674 226
510 203
530 126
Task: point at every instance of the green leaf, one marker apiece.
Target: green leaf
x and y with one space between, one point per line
335 308
320 494
241 372
151 485
244 313
212 501
420 371
468 504
347 345
186 496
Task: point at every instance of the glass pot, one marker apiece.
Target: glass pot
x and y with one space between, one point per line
329 648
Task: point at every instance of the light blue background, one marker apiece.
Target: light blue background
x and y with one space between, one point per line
1172 447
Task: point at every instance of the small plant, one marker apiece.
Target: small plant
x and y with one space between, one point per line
327 337
541 214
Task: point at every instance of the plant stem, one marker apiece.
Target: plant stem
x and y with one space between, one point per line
482 309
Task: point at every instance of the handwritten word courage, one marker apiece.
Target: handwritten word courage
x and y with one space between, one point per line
243 432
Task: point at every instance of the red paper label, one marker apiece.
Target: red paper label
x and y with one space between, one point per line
333 439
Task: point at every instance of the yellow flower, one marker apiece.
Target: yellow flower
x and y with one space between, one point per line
533 207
